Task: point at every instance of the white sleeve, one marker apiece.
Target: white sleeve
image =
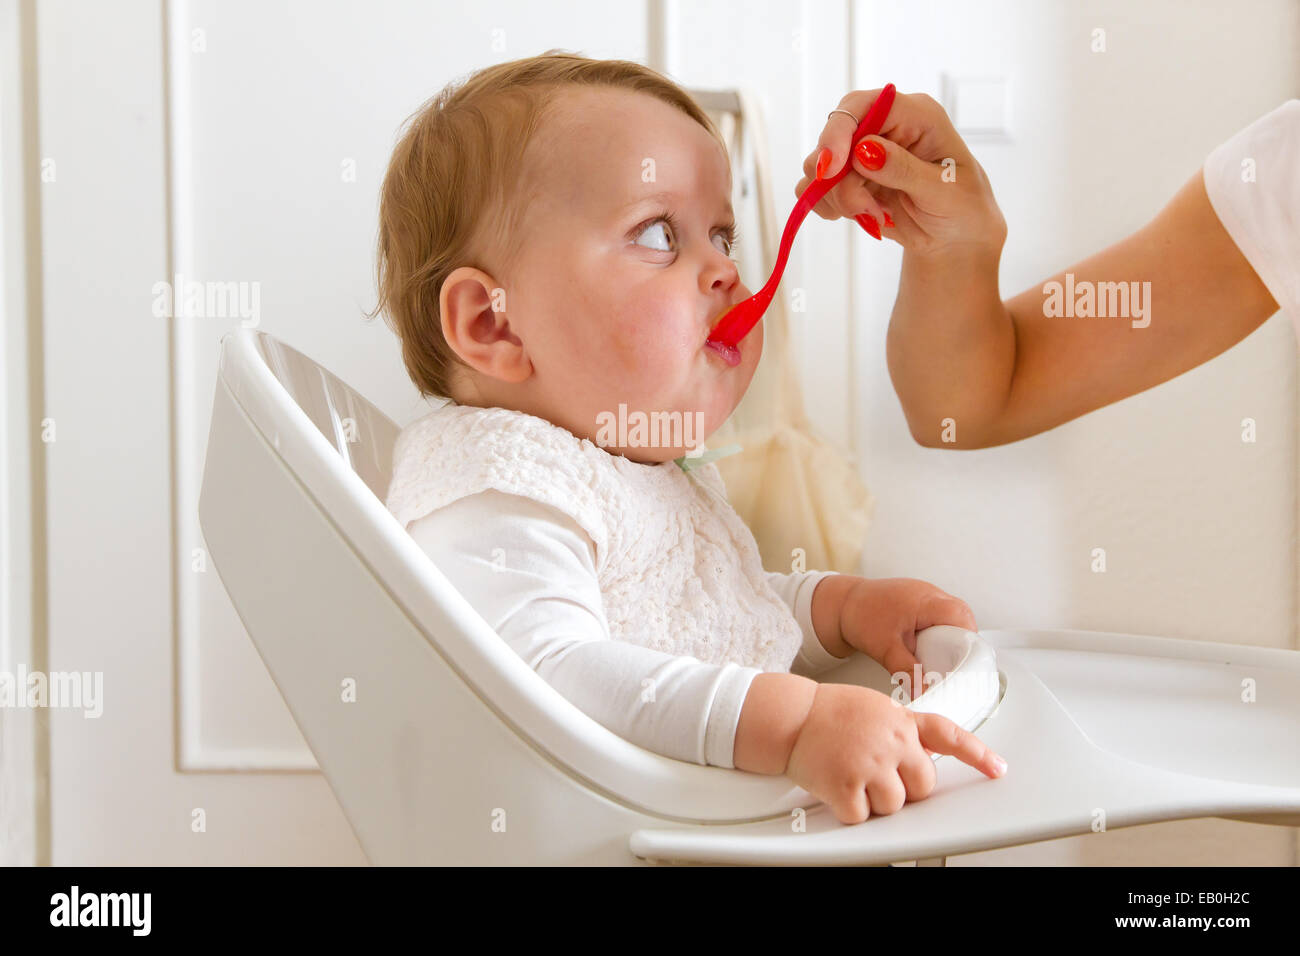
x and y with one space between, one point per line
797 591
1253 181
529 570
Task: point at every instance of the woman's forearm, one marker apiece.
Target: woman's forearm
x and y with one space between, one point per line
951 347
972 371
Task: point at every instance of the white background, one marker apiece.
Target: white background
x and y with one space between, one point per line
225 165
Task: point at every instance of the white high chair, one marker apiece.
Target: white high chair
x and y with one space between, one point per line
456 752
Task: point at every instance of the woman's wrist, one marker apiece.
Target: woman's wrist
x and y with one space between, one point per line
953 261
950 345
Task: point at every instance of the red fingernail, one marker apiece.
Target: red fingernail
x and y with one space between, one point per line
888 221
868 222
823 162
870 154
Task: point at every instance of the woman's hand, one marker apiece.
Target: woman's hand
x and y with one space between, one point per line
881 617
917 178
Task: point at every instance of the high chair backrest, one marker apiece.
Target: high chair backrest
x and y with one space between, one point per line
362 435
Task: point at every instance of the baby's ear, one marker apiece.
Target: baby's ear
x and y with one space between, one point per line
475 322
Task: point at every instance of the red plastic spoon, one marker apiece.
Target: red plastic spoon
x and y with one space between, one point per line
736 322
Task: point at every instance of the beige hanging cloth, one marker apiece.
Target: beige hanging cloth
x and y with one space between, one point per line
802 499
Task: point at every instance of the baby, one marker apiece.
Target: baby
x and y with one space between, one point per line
555 243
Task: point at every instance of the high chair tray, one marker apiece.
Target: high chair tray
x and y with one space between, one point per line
1100 731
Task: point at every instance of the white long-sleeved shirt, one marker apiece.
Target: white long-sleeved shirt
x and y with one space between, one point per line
529 570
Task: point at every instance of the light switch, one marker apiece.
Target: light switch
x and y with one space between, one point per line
980 106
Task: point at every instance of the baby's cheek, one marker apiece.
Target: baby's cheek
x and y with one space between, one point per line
624 364
650 345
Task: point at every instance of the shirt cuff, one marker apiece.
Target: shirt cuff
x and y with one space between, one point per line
813 658
724 714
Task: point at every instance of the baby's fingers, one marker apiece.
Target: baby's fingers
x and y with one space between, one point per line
940 735
898 660
943 608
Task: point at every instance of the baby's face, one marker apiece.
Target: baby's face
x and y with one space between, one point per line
612 302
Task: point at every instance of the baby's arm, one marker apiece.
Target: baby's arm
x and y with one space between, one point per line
778 704
815 599
856 749
852 747
775 710
539 592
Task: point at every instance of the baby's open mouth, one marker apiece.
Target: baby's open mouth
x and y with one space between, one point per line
730 353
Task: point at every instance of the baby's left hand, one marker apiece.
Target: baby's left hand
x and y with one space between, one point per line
881 616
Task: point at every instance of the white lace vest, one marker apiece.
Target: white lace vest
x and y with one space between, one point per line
678 569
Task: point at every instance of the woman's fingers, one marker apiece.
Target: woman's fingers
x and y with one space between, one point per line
837 134
892 210
889 164
915 182
916 124
851 196
867 204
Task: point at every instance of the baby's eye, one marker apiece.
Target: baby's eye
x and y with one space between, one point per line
667 227
662 227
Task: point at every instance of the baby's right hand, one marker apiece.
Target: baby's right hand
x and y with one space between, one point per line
920 172
860 752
